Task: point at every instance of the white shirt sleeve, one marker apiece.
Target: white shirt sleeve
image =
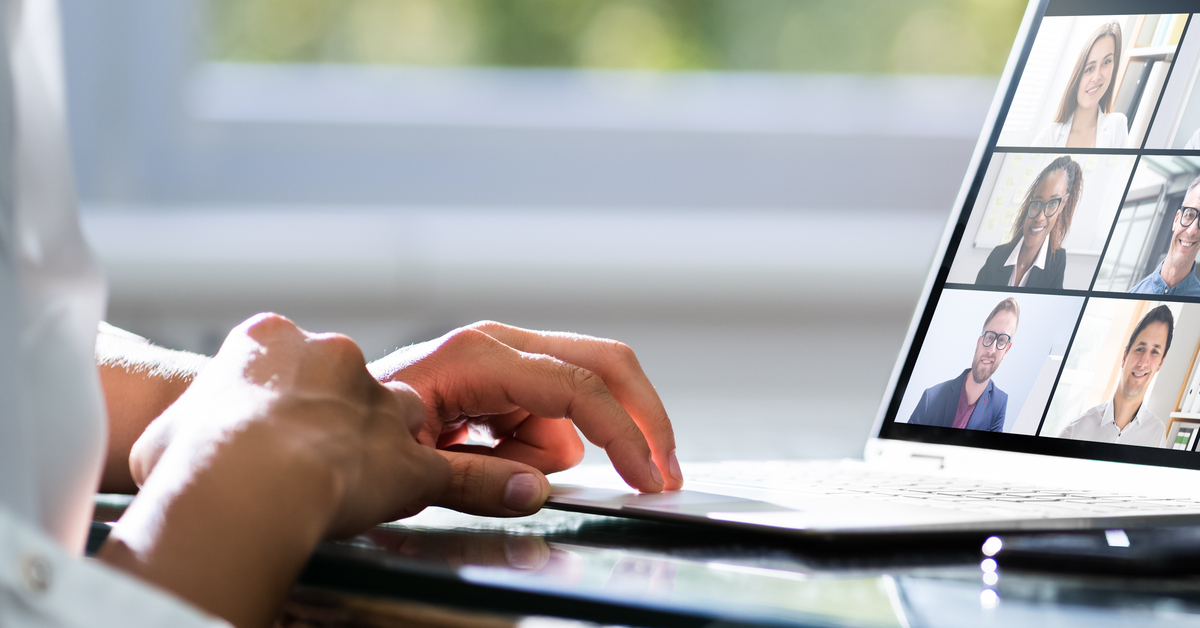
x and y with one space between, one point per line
41 585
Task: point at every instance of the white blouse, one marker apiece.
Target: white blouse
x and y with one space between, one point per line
1038 262
52 423
1112 131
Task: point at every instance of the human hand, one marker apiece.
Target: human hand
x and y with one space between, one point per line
518 385
283 439
276 390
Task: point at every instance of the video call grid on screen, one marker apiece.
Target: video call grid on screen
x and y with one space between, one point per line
1071 251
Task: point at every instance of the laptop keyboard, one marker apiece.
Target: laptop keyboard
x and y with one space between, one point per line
834 479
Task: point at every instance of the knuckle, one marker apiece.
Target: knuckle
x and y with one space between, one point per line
466 338
622 355
586 383
470 479
407 394
268 325
341 346
484 325
410 403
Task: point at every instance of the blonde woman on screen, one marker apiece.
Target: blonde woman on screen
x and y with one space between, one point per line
1085 118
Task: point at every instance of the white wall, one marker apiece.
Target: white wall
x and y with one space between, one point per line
1046 322
998 205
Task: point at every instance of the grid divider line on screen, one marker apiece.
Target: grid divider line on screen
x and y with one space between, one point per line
1096 294
1166 81
1116 218
1017 290
1136 296
1166 152
1061 367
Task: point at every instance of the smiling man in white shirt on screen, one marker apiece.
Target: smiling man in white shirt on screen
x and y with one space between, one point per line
1124 419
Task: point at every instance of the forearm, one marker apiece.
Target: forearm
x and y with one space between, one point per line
140 380
231 547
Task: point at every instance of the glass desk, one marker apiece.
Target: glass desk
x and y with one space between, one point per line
616 571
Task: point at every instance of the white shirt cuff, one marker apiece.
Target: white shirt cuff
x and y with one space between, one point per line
43 585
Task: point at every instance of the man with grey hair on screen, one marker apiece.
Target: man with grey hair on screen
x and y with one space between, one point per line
1176 275
971 400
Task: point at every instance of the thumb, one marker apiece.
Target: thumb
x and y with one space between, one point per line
493 487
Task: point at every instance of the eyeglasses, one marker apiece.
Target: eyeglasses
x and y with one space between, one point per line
1050 208
1189 216
1001 340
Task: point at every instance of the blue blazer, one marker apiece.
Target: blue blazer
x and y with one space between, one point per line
939 403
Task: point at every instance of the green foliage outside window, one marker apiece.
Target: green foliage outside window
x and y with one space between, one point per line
873 36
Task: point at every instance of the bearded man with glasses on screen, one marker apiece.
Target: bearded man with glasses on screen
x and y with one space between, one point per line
971 400
1176 274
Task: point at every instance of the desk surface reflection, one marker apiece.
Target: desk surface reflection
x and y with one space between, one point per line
617 571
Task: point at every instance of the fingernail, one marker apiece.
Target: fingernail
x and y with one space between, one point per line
522 492
655 473
675 471
524 553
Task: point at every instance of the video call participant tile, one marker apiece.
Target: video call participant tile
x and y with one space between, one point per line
1041 220
1129 376
1154 242
1092 81
989 361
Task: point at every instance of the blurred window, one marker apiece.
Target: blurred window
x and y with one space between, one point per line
529 103
850 36
1129 240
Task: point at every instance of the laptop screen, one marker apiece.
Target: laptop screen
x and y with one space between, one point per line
1065 314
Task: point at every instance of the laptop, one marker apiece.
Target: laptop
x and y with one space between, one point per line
1050 378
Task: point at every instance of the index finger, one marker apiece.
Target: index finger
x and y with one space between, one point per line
494 377
617 365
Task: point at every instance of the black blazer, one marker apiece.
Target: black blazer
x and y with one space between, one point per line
995 273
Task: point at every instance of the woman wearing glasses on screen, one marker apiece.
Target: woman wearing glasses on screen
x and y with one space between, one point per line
1085 118
1033 257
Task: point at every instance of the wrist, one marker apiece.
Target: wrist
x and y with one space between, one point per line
217 532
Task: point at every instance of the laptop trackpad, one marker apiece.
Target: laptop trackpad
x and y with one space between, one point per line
685 502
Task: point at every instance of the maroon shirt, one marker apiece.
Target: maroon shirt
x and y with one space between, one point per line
963 414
